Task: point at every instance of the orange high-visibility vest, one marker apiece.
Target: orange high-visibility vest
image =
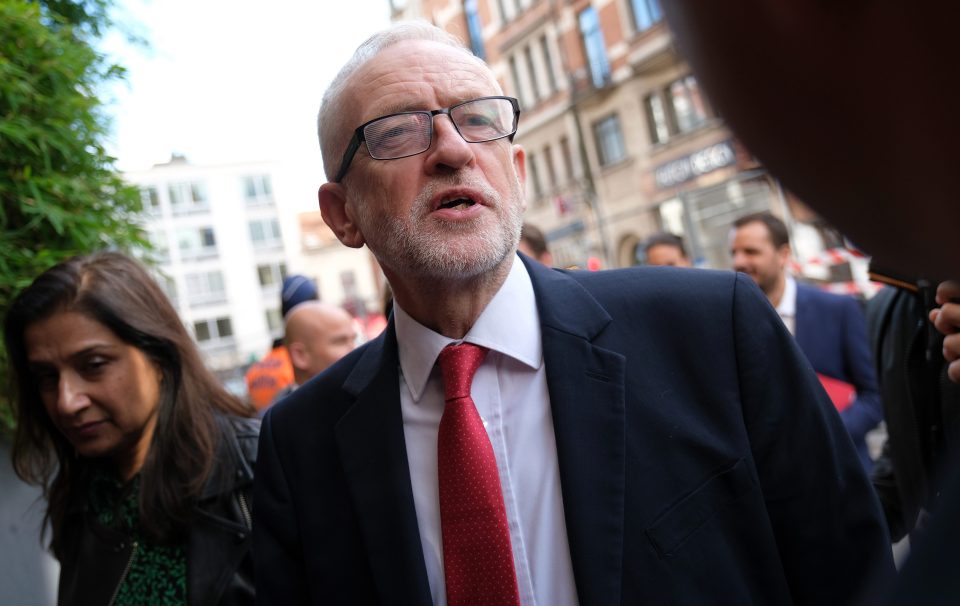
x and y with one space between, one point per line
269 375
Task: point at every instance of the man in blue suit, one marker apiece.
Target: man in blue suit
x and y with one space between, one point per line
830 329
657 436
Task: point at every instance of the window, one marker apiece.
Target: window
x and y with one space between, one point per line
150 198
474 28
595 47
224 327
274 320
532 72
187 198
161 245
567 154
515 75
197 243
202 330
679 108
258 190
548 62
686 104
265 233
656 119
271 274
535 175
503 11
213 329
646 13
551 171
610 146
206 287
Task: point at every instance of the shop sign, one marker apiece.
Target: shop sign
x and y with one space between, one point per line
698 163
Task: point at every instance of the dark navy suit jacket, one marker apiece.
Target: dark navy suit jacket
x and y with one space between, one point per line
701 462
832 332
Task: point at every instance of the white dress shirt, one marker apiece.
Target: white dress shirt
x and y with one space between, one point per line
510 393
788 305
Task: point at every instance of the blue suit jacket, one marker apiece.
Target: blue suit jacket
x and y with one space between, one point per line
832 332
700 459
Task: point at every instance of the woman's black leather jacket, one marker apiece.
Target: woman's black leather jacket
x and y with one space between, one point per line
219 564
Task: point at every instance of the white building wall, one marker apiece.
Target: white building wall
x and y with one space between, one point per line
229 213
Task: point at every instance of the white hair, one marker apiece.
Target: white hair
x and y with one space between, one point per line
331 108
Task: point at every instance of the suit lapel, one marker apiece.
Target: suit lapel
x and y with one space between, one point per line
586 385
371 443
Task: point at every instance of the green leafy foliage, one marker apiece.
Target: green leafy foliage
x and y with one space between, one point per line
60 193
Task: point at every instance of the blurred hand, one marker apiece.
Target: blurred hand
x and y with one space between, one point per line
947 320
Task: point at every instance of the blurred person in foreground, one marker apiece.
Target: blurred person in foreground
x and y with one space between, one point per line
534 244
666 249
820 117
145 460
594 458
274 372
830 329
316 335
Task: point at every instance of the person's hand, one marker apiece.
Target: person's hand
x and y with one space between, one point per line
947 320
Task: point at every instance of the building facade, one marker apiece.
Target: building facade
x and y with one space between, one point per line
222 244
620 141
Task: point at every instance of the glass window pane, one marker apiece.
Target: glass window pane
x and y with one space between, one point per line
208 238
224 328
202 330
610 145
532 72
265 275
687 104
595 47
656 119
548 63
646 13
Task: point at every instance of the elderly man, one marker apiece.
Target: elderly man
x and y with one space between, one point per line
523 435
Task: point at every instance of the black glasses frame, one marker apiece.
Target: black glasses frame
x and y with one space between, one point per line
359 136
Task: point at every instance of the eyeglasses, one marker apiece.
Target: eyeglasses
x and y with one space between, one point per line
410 133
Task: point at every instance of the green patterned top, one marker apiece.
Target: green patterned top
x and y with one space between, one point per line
157 574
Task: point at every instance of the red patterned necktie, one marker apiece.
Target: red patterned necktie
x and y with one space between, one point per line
477 557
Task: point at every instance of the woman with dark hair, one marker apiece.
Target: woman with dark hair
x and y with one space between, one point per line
145 460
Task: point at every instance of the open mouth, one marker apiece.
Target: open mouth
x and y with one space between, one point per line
457 204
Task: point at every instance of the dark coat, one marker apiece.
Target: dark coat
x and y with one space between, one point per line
701 462
219 566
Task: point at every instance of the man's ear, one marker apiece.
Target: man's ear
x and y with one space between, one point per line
298 355
784 253
520 166
333 208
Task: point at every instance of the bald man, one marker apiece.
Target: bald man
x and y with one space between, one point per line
317 335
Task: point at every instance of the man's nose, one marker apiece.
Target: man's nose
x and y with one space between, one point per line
449 151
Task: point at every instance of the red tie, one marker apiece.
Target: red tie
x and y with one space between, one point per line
477 558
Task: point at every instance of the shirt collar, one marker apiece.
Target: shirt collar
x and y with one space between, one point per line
509 325
788 302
